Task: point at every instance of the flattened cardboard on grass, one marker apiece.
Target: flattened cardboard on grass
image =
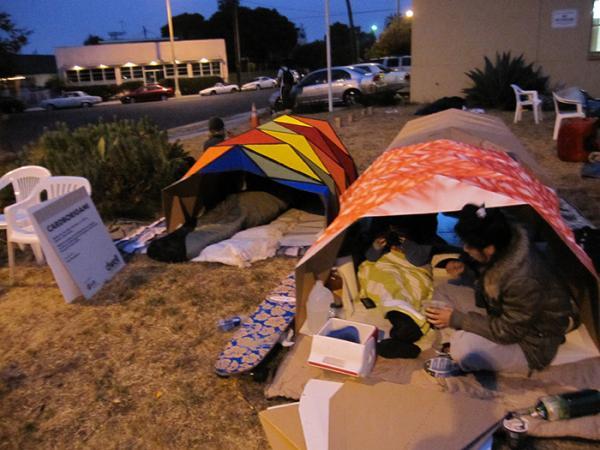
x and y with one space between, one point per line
393 416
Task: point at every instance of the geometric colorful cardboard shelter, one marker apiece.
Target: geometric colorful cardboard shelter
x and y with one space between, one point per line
300 153
442 176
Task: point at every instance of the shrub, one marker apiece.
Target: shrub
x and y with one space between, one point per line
127 163
491 87
191 86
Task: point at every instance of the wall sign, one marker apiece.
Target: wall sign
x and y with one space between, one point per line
564 18
76 244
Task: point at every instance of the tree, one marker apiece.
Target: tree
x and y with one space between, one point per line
395 39
265 35
188 26
310 56
92 39
12 39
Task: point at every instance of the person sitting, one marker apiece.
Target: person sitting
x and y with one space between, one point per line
216 131
524 308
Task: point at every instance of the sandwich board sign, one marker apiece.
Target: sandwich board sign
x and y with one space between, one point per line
76 244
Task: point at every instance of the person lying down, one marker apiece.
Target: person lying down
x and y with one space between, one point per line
397 276
236 212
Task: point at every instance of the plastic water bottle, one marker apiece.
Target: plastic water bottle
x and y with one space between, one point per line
317 307
229 323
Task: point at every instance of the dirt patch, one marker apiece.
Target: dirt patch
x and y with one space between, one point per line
133 368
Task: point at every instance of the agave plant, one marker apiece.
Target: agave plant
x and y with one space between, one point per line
491 86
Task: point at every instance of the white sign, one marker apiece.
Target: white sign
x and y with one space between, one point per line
564 18
76 244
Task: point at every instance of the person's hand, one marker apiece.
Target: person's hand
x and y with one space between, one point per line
455 268
379 243
439 317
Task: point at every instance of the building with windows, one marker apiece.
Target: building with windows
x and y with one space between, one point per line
147 61
451 37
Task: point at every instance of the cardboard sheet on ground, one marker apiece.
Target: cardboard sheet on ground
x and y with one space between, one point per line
76 244
394 417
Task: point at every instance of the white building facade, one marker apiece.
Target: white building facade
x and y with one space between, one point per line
148 62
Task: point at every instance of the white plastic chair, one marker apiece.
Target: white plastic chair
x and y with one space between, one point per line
560 115
19 229
527 98
23 180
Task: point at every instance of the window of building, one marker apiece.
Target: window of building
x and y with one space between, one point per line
85 75
109 74
196 69
595 43
182 69
205 69
97 75
169 70
215 68
72 76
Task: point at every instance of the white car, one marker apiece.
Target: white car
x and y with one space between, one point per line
220 88
73 99
394 79
259 83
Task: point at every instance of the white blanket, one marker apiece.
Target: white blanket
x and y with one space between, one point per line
293 227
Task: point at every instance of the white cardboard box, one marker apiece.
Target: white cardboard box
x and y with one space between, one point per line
343 356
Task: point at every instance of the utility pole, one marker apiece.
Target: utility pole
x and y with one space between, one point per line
397 7
173 59
328 53
236 39
353 36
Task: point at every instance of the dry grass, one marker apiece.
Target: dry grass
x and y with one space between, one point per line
134 367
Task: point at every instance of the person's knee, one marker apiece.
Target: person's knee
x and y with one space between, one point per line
466 354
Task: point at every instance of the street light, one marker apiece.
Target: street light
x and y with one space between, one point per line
173 60
374 30
409 13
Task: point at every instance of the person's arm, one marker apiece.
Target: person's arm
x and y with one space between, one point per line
522 300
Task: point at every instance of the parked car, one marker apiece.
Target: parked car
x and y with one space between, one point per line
259 83
147 93
349 86
10 105
73 99
395 62
392 79
220 88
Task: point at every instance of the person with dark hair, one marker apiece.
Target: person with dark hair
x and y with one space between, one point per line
525 309
216 131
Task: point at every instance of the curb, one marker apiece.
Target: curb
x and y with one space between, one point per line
198 128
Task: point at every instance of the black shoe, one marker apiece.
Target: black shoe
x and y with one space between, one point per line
392 348
404 328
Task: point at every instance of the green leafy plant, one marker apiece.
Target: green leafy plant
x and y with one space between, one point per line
491 86
127 163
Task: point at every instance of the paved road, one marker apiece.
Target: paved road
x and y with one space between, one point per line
19 129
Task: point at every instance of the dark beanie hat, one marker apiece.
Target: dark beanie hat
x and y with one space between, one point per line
216 124
479 227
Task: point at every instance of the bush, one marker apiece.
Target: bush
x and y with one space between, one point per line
127 163
191 86
491 87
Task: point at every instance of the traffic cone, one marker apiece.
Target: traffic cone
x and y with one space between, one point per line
254 122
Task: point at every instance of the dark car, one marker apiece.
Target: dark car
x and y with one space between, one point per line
147 93
11 105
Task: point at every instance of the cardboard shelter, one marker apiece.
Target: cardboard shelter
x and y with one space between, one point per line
480 130
299 154
442 176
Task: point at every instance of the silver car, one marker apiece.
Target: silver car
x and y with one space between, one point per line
348 87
